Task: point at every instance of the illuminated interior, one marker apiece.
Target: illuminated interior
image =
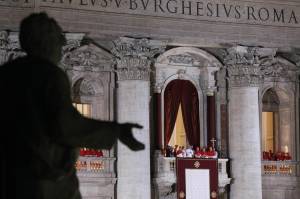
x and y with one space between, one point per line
84 109
179 136
268 124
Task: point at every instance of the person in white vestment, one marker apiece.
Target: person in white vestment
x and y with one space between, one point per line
189 152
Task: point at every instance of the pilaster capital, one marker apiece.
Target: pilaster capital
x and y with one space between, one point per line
243 65
73 41
9 46
278 69
134 57
3 39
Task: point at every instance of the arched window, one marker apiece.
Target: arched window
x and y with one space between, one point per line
181 114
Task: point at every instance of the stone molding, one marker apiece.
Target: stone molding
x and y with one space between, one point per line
278 69
243 65
188 61
134 57
73 41
9 46
88 57
181 59
86 87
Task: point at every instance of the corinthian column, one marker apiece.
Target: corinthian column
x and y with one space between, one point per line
243 69
133 58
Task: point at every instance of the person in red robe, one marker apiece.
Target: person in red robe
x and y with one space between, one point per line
211 153
197 152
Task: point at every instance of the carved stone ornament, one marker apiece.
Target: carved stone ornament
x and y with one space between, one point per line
88 58
134 57
244 65
276 70
9 46
87 87
73 41
3 46
3 39
181 59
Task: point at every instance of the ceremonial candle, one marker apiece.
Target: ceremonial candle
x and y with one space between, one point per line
286 149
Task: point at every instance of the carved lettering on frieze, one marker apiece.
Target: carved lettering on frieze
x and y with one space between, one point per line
134 57
273 13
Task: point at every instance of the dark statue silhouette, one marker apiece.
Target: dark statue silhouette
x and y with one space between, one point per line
41 131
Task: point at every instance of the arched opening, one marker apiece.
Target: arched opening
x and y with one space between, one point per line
80 89
181 114
270 120
275 123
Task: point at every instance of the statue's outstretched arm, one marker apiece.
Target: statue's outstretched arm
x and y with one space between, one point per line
78 131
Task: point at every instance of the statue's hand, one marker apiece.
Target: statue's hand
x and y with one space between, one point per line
127 138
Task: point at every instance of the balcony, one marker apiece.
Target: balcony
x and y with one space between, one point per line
95 166
164 176
279 168
97 176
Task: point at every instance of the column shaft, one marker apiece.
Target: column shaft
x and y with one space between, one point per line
134 167
244 143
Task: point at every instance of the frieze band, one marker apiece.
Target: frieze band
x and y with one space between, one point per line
224 11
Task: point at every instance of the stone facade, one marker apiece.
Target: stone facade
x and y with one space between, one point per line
119 54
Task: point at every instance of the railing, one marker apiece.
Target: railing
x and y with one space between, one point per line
95 166
168 165
164 176
279 168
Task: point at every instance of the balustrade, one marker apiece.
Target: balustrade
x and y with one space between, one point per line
279 168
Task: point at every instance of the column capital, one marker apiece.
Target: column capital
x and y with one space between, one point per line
243 65
73 41
10 46
3 39
3 46
134 57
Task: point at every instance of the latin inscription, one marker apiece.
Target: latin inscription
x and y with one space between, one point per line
208 10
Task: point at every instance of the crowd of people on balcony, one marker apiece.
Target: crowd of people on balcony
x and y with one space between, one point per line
90 152
190 152
278 156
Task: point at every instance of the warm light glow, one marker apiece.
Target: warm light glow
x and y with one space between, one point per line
84 109
286 149
178 136
268 131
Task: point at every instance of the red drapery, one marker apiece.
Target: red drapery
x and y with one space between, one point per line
190 113
211 123
184 92
172 101
158 121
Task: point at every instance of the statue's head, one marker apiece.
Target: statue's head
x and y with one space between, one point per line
41 36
